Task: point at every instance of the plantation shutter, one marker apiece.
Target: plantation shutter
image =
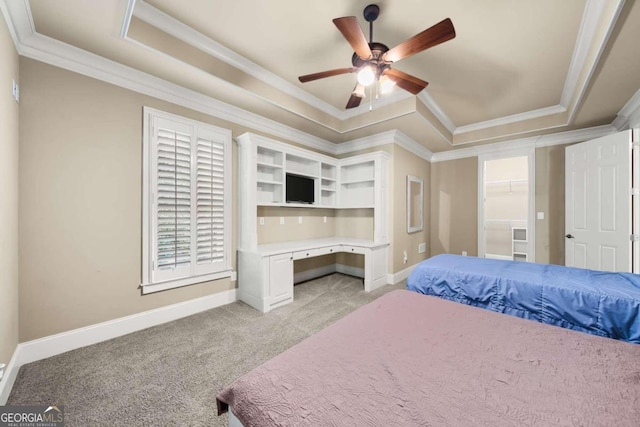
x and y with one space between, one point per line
189 237
209 198
173 200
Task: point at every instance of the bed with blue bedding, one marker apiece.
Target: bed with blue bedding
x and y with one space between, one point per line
596 302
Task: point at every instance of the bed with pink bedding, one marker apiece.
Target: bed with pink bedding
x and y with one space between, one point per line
408 359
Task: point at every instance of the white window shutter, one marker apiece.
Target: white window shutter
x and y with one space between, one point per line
186 202
209 200
173 189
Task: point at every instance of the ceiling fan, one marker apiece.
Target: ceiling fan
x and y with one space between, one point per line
373 60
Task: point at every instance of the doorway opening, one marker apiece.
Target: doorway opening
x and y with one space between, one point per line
505 207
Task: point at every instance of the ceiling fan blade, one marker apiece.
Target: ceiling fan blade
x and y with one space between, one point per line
351 31
354 101
406 81
356 96
439 33
323 74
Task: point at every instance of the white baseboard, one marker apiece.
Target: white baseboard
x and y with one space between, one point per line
303 276
351 271
52 345
394 278
9 377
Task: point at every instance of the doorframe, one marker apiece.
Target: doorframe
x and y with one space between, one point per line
635 199
530 153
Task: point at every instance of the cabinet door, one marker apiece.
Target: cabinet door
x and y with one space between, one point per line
280 278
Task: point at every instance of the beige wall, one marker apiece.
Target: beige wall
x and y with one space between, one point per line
454 206
406 163
550 200
8 197
80 202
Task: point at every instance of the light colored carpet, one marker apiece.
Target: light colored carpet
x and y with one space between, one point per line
170 374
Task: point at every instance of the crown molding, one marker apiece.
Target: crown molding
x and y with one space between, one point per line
19 21
435 109
591 21
384 138
559 138
179 30
629 115
126 22
33 45
514 118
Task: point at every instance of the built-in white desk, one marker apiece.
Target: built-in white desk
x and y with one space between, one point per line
265 276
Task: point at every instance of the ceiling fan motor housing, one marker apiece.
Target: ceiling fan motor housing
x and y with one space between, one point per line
377 49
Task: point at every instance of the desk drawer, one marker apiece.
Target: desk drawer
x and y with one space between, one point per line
316 252
353 249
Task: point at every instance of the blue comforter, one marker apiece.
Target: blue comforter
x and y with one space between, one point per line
596 302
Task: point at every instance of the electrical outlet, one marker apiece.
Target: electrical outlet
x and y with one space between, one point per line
422 248
281 220
464 253
325 219
299 220
261 220
540 215
405 258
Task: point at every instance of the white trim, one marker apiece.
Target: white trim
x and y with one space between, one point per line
314 273
629 115
592 17
52 345
559 138
126 21
381 139
397 277
435 109
59 54
50 51
9 377
19 20
149 288
502 257
172 26
514 118
349 270
12 31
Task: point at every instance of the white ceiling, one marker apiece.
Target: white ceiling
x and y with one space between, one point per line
515 68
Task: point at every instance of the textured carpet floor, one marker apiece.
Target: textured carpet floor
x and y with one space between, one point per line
169 375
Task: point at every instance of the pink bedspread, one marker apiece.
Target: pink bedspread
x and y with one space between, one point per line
413 360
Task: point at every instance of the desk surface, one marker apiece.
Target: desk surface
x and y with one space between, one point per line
303 245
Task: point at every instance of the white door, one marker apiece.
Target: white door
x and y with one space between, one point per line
598 203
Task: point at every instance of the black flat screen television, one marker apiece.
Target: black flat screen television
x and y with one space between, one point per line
300 189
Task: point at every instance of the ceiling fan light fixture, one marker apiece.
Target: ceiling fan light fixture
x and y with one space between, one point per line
386 84
366 76
359 91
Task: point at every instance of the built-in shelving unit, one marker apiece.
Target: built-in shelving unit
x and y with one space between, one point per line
265 169
263 165
520 243
357 184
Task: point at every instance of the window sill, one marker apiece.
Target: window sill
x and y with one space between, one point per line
149 288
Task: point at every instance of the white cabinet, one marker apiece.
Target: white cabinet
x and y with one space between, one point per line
280 278
265 166
265 281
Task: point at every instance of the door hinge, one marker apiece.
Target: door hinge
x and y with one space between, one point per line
634 238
